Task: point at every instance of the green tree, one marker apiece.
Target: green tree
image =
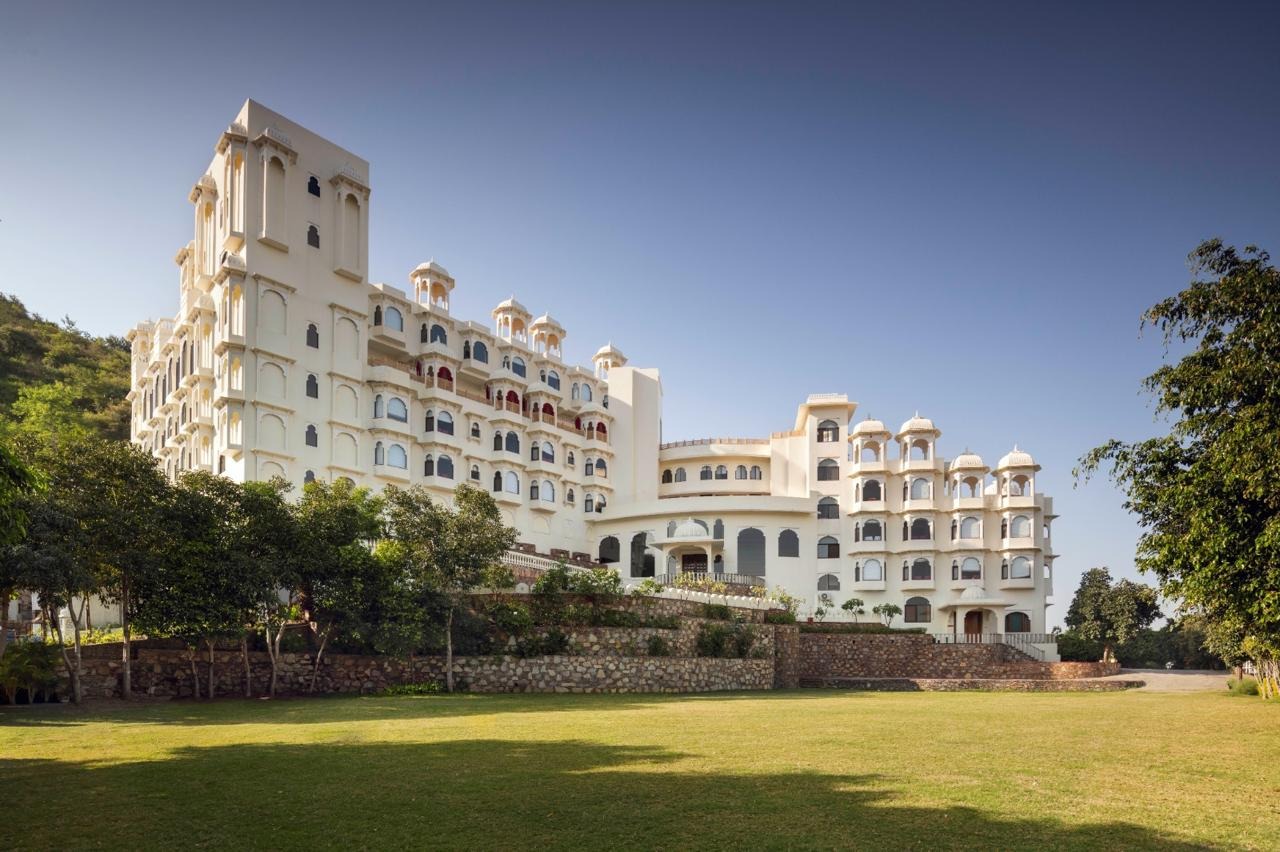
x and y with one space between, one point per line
336 526
17 484
887 612
264 544
454 552
1208 493
855 607
51 411
1111 613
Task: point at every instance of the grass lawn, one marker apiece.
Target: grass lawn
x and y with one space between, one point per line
814 769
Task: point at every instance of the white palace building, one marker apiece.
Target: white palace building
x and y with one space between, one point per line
284 360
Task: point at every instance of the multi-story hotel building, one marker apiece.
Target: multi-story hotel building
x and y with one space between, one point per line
284 360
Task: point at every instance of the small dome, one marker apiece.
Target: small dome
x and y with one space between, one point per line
511 304
689 528
968 461
431 267
870 427
1016 458
609 351
547 319
918 424
974 593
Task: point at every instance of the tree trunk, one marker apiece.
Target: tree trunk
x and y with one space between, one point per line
73 666
1108 654
248 673
126 673
448 652
195 673
315 669
209 642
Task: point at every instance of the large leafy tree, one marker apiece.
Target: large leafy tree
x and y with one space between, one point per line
453 552
1111 613
1208 493
17 484
336 571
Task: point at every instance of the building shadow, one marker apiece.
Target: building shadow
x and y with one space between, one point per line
497 793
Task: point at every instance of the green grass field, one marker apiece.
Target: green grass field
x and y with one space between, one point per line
812 769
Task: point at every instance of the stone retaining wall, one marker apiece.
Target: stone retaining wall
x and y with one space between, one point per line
852 655
903 684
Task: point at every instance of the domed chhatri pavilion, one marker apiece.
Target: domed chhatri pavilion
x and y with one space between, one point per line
284 360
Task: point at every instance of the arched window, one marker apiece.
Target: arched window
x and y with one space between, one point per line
475 472
533 489
788 543
919 450
475 430
705 473
671 529
828 547
828 508
573 392
872 531
920 530
511 483
518 367
397 410
740 472
438 334
313 438
642 558
602 469
756 473
379 406
1020 527
666 476
717 530
970 528
1017 622
568 496
586 393
379 453
680 475
872 571
828 430
828 583
917 611
535 452
313 236
466 349
1004 527
588 504
480 352
751 552
722 472
553 379
970 569
610 550
548 491
920 569
444 423
570 459
1020 568
444 467
954 527
377 314
313 336
424 333
393 319
429 465
309 476
1019 486
828 470
512 442
397 457
548 452
870 452
497 440
920 488
871 490
589 469
497 480
313 186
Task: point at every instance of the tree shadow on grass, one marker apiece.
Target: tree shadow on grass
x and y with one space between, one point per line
493 793
321 709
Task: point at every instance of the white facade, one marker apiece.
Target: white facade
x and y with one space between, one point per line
283 360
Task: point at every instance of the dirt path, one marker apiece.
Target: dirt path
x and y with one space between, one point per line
1187 680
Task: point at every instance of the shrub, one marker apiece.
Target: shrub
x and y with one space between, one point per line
551 642
511 617
616 618
431 687
779 616
29 668
1244 686
553 581
647 588
664 622
597 582
659 647
725 640
719 612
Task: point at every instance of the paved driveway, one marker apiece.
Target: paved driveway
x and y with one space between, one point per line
1176 680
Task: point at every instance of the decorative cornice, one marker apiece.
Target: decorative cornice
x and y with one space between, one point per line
260 278
273 138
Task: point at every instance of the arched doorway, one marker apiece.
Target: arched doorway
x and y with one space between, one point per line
973 622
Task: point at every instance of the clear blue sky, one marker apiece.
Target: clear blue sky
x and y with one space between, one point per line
956 208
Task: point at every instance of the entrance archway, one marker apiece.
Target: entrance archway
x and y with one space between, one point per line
973 622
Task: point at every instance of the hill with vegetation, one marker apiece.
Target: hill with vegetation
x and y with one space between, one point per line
55 376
